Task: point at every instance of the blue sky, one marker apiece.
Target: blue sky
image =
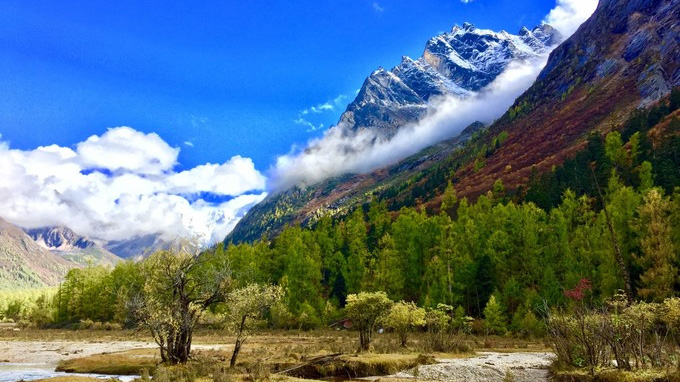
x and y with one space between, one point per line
227 77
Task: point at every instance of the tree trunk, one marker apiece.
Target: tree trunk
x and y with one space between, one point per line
234 355
364 339
239 341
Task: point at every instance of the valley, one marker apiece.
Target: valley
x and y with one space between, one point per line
504 208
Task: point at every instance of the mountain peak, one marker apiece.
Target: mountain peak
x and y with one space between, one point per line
59 238
453 64
64 242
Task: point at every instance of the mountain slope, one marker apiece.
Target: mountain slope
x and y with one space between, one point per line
71 246
455 63
24 263
337 196
625 56
592 82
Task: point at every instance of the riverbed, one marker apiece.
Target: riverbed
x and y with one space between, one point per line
30 360
11 372
485 367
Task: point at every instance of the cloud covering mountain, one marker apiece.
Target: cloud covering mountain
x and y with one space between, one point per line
392 105
124 183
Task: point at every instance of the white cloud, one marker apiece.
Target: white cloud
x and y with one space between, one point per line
568 15
466 1
341 150
327 106
121 184
188 144
126 149
304 115
377 8
310 126
234 177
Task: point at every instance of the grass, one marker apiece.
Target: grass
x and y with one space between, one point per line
613 375
130 362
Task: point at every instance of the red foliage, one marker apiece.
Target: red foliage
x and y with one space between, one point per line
579 291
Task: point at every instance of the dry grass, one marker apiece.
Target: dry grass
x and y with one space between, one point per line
130 362
649 375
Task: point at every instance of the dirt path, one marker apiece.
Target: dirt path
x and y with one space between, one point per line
486 367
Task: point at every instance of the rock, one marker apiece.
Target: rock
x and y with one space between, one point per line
637 45
652 84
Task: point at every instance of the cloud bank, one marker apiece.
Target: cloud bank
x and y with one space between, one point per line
342 151
568 15
122 184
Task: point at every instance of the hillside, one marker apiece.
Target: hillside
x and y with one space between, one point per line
24 263
624 57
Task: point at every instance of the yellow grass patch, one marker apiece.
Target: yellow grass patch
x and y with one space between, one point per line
121 363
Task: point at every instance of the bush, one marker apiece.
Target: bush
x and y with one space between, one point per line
629 337
85 324
404 317
112 326
281 317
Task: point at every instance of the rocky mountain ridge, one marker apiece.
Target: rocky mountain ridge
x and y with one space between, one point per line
456 63
68 244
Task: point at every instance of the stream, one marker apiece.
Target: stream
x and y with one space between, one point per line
10 372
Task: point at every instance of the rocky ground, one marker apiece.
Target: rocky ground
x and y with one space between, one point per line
51 352
486 367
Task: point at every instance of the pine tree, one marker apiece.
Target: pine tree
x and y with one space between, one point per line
658 255
494 317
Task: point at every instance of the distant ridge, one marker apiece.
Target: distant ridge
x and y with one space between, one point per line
69 245
24 263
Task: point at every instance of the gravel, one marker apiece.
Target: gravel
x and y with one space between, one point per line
485 367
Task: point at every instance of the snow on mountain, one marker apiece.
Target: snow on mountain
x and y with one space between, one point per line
457 63
79 249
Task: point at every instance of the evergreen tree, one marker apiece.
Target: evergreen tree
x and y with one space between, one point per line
494 317
658 255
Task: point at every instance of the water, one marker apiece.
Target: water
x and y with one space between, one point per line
11 372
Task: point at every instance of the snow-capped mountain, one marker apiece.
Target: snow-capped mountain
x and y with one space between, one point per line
457 63
59 238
